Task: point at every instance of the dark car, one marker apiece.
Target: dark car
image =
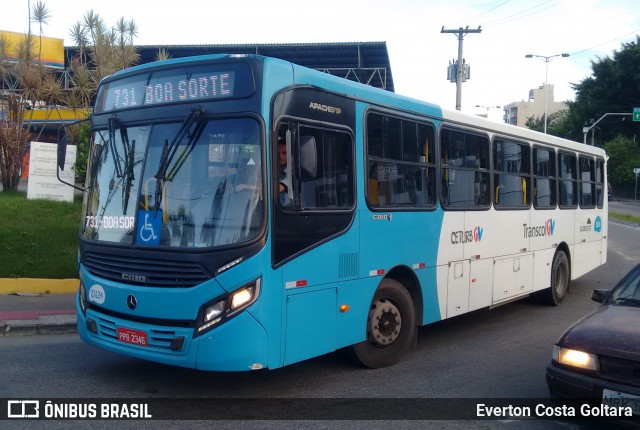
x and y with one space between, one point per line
598 357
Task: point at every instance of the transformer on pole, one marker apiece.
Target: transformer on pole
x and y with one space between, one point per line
459 68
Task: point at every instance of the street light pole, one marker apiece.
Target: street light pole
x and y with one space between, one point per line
546 59
586 130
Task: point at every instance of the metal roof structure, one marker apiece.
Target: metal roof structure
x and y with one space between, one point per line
365 62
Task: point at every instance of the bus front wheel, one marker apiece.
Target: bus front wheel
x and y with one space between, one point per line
559 281
391 325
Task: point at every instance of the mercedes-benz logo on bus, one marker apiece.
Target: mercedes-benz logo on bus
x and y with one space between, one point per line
132 302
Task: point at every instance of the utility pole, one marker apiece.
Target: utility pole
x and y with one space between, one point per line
461 32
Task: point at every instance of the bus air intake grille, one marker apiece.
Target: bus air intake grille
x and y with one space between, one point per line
348 265
147 272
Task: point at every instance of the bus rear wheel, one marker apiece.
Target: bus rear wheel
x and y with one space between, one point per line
559 281
391 325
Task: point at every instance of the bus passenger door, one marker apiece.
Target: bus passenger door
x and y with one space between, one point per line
313 229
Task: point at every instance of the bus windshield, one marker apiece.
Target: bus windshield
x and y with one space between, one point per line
191 184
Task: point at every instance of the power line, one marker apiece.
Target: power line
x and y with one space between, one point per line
516 16
482 13
604 43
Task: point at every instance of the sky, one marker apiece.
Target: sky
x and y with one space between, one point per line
419 53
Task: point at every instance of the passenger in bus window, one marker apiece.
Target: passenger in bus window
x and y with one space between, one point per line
373 184
283 185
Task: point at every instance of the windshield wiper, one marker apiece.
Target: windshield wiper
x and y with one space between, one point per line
169 152
129 175
126 172
628 300
113 124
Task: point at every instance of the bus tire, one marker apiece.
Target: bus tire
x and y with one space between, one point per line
391 325
554 295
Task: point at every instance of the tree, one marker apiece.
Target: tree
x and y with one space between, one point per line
26 85
613 87
41 15
102 51
624 156
555 125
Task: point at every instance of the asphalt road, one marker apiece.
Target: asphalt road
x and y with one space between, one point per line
625 207
499 353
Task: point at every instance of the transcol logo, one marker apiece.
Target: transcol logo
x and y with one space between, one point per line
545 229
550 225
467 236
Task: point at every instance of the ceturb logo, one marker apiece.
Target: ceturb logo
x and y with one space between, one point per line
467 236
541 230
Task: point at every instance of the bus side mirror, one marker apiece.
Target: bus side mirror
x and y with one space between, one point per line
308 157
61 155
62 151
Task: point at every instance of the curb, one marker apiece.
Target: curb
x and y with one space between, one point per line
37 285
45 324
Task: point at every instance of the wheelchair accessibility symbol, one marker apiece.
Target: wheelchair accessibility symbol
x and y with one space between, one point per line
149 226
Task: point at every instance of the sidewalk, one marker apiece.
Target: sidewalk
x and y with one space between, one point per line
37 306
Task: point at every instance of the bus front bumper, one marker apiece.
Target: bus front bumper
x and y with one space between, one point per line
239 344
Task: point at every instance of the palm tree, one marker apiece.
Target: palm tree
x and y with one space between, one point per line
41 15
34 87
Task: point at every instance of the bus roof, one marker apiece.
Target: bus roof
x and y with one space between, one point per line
384 98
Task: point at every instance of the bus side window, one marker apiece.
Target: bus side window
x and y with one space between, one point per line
400 165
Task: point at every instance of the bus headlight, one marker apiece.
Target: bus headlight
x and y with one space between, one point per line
223 308
574 358
240 298
212 312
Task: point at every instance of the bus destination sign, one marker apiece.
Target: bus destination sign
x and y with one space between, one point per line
183 85
169 89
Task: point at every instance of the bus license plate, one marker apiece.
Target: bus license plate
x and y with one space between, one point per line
135 337
618 399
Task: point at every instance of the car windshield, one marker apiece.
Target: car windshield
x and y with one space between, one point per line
628 292
191 184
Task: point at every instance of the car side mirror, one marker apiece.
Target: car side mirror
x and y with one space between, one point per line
599 295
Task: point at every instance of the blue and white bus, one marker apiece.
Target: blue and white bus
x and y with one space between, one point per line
244 212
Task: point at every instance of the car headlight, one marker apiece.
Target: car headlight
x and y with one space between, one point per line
575 358
223 308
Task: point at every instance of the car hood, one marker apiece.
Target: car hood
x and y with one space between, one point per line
609 330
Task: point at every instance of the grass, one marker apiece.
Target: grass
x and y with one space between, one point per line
38 238
625 217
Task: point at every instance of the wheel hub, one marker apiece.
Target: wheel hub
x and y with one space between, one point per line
385 322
